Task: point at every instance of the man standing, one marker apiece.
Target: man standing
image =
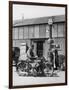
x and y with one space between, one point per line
30 52
56 59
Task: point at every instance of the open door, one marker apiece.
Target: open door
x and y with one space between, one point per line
39 48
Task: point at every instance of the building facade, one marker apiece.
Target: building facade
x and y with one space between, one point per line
36 31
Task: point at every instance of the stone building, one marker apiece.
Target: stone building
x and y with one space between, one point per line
36 31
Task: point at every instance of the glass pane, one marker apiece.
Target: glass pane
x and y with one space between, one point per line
14 43
13 34
21 33
36 31
47 31
16 33
63 30
42 31
31 32
25 32
54 30
60 30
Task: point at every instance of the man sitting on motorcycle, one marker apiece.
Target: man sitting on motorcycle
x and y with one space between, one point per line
39 61
30 53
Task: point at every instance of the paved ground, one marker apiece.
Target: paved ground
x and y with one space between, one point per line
23 80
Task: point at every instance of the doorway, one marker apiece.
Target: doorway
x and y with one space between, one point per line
39 48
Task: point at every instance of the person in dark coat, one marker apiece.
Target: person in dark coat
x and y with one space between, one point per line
56 59
51 57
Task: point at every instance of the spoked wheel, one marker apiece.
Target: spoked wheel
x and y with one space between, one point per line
22 68
48 69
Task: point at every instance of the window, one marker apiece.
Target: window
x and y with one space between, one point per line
14 43
42 31
31 32
21 33
47 31
16 33
25 32
36 31
13 35
60 30
64 30
54 30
